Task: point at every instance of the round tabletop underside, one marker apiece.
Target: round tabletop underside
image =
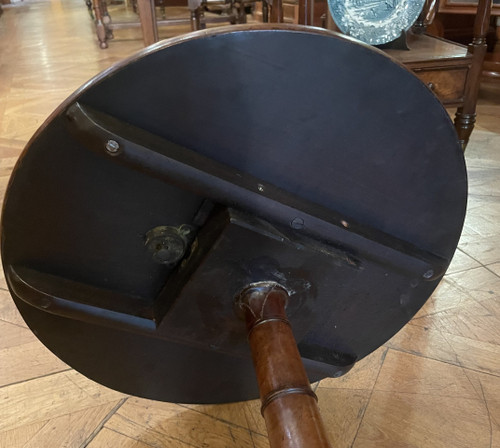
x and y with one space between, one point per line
290 154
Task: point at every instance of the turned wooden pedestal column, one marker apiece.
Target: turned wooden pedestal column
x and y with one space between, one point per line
289 406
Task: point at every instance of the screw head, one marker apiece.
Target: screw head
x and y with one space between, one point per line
428 274
46 303
297 223
112 147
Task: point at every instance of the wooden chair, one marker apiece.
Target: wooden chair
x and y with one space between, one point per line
147 15
232 11
147 19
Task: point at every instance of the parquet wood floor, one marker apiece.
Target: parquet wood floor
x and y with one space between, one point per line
435 384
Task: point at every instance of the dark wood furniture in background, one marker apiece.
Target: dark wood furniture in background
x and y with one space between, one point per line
145 10
313 13
234 12
455 22
451 70
146 20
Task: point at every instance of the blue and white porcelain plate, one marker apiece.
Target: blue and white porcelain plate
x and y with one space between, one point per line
375 22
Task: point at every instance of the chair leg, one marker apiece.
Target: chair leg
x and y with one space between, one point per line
276 11
106 20
196 7
147 17
89 6
464 125
265 11
100 27
197 22
241 12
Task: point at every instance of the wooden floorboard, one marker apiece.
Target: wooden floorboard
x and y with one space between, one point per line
435 384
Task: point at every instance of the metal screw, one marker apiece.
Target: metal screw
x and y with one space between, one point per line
45 304
260 187
297 223
344 223
112 146
429 274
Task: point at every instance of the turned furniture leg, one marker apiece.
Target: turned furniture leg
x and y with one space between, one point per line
277 11
242 15
464 124
265 11
306 12
99 23
466 115
196 9
147 16
289 406
89 6
106 20
195 20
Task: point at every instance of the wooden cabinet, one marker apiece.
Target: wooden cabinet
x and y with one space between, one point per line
448 84
455 22
451 70
442 65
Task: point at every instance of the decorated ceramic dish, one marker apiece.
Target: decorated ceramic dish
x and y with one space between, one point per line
375 22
